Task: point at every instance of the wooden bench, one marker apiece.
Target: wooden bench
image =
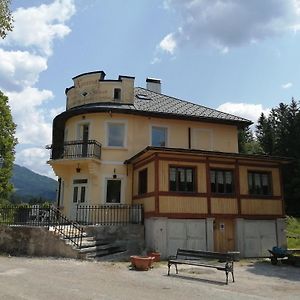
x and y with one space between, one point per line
217 260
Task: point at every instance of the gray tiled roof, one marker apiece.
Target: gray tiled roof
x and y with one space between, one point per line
160 103
154 104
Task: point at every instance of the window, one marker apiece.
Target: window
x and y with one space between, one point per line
159 136
113 191
117 94
221 181
143 178
259 183
116 135
182 179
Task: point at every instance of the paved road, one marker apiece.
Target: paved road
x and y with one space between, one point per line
38 279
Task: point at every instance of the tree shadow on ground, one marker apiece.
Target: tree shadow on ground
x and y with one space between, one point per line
281 270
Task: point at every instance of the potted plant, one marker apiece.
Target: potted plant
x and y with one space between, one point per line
154 253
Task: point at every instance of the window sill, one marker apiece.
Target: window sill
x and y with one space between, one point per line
114 148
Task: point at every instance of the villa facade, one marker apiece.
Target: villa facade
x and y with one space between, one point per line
119 144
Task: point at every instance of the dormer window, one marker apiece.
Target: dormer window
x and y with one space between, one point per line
117 94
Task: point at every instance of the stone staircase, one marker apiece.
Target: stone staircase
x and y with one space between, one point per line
90 247
98 249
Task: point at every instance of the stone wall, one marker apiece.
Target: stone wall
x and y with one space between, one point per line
33 241
131 237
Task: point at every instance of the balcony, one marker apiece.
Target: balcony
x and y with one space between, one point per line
77 150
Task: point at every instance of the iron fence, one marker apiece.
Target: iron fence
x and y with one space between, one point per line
34 215
116 214
77 149
42 216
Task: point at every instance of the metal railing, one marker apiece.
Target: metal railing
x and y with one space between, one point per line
116 214
35 215
70 230
77 149
42 216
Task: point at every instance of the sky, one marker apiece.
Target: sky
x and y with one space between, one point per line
238 56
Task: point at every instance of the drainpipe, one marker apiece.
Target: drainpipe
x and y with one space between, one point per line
58 193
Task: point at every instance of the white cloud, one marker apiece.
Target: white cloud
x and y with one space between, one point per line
168 44
31 158
30 45
19 69
287 85
38 26
32 124
248 111
230 23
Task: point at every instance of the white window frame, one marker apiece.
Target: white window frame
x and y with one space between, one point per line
123 122
160 126
87 191
80 123
104 184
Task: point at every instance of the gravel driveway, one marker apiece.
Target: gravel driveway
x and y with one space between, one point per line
40 278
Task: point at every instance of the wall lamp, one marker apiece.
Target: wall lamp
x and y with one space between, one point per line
78 169
114 175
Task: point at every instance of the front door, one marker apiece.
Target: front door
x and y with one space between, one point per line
224 232
79 196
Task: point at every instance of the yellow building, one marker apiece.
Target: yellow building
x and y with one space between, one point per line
118 144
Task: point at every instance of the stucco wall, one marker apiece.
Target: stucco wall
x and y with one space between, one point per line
33 241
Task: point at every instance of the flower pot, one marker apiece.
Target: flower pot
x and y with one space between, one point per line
141 263
154 254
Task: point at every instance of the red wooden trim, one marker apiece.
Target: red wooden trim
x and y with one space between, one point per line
170 158
231 196
144 162
261 217
211 161
146 195
257 165
208 186
182 194
132 184
281 190
204 216
156 182
237 186
176 215
263 197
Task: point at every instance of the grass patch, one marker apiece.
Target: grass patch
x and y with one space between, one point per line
293 229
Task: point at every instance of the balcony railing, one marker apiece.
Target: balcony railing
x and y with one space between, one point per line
77 149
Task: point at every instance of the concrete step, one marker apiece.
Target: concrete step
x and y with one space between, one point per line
104 252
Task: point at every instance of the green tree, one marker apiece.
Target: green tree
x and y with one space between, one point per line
279 134
5 18
7 146
247 142
265 135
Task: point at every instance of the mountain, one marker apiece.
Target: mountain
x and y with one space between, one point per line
28 184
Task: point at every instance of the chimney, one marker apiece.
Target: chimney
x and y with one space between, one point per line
153 85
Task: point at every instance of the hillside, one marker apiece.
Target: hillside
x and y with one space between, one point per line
28 184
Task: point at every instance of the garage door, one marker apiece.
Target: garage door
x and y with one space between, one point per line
259 236
190 234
